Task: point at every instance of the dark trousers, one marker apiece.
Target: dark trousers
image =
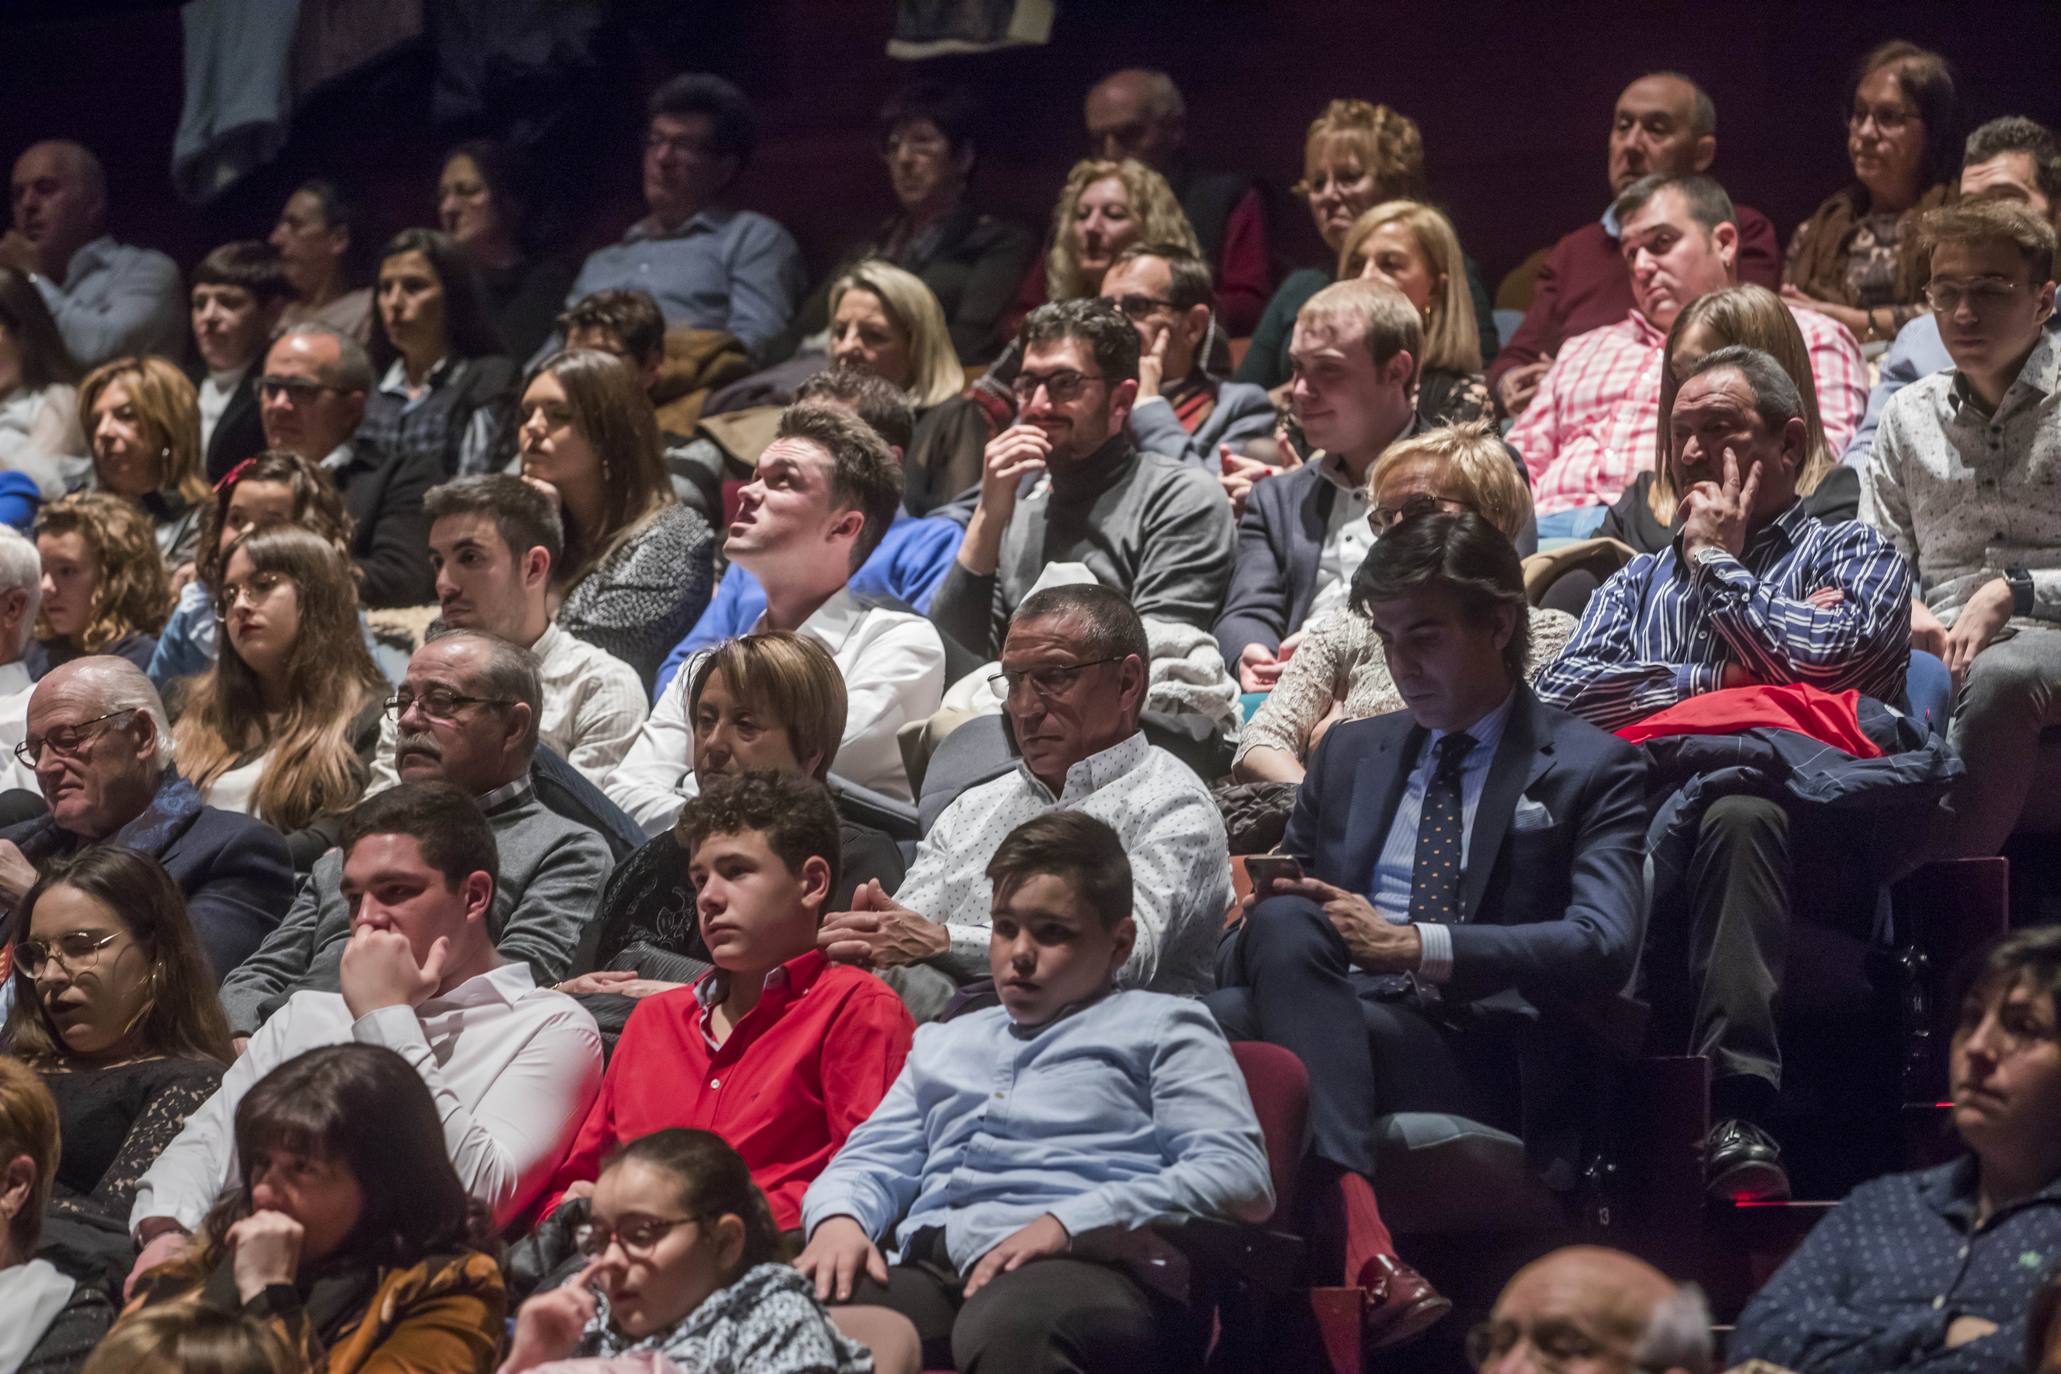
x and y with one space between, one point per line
1052 1316
1733 946
1284 976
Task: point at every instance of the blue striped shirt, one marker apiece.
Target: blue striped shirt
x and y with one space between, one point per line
1661 631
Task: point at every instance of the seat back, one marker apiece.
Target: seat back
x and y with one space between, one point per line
1280 1090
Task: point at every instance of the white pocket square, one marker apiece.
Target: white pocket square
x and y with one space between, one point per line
1530 815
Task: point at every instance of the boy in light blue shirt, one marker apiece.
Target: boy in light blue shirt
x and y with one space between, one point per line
1020 1138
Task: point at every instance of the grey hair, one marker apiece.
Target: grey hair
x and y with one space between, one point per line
353 370
119 685
1703 113
1677 1335
21 566
1705 200
510 674
1775 394
1110 625
1162 95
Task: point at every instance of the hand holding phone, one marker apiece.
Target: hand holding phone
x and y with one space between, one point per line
1268 871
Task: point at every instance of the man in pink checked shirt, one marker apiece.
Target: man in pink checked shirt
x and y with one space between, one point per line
1591 428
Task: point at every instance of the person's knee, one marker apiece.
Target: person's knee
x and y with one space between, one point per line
1100 1318
1730 822
2002 684
1283 933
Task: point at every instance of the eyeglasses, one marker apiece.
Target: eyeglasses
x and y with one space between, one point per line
1137 308
294 389
75 949
923 145
439 703
1060 386
1982 295
1048 681
66 740
1888 118
1555 1345
260 586
1384 518
638 1236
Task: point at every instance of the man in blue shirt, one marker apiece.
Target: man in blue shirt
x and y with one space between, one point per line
1468 866
708 264
1936 1270
1023 1145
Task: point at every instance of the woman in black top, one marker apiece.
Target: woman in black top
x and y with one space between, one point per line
481 206
114 1006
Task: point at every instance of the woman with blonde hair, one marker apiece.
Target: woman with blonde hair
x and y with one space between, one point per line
285 724
1339 672
142 419
1104 208
885 321
638 565
199 1340
104 585
1644 517
1412 247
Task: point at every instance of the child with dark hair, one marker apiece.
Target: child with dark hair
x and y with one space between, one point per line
1019 1138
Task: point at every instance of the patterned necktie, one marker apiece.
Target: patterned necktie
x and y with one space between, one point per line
1435 877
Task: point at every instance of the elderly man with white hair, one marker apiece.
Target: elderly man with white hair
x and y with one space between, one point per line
1589 1308
109 298
102 754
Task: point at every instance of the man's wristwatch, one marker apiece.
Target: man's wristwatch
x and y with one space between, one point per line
2020 581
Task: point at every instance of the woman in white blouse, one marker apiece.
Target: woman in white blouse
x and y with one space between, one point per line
1339 672
40 436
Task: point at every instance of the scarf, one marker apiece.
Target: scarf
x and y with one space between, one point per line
1819 267
154 830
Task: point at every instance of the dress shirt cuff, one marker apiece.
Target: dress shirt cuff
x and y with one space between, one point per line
396 1028
1694 679
833 1203
1435 965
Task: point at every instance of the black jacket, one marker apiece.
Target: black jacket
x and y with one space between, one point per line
390 542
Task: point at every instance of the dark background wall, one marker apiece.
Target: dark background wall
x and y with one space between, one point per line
1513 100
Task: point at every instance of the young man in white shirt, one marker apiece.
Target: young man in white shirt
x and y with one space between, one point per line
824 493
513 1067
493 541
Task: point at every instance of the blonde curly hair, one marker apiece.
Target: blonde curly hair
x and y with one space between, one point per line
1159 216
131 594
1379 140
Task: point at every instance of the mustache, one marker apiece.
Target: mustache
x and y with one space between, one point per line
417 742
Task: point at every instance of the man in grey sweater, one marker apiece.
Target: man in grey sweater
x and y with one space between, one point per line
468 711
1151 528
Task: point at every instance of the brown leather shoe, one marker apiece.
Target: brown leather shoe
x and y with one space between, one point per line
1401 1306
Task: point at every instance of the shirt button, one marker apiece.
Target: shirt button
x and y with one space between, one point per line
1939 1302
998 1097
1964 1252
715 1082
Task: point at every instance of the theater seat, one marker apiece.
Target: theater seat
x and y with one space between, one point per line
1440 1174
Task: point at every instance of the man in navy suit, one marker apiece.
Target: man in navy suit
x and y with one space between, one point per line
1465 862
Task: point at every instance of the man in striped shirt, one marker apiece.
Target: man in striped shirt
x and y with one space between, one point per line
1591 427
1754 589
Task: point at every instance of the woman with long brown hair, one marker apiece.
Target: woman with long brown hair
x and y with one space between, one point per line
142 419
284 726
114 1005
638 565
104 586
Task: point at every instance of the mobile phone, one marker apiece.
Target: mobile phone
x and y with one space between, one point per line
1269 870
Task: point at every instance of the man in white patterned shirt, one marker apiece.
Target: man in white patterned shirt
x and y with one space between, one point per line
1963 480
493 541
1074 662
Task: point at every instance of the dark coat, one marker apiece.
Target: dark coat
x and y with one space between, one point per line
239 434
390 542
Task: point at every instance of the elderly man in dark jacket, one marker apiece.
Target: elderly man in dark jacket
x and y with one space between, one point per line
100 746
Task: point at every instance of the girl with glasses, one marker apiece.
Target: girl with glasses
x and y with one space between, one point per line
683 1262
114 1007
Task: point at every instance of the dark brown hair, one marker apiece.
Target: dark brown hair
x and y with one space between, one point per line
450 829
317 506
1461 552
44 358
793 812
1076 848
865 475
467 327
1928 82
612 413
788 677
714 1182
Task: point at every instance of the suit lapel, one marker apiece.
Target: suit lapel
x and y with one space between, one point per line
1522 757
1313 518
1378 785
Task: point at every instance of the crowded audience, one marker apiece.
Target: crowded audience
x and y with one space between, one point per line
657 817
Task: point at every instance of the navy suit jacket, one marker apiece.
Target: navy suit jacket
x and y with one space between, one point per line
1552 903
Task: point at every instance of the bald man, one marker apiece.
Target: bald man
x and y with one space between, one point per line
1663 122
109 299
1588 1310
1140 113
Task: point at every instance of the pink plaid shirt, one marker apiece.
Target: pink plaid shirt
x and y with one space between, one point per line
1593 426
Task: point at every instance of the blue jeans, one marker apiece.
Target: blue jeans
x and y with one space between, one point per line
1579 523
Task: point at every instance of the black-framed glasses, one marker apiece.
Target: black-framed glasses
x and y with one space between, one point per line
638 1236
75 949
1888 118
1982 295
294 389
1060 386
1048 681
1138 307
260 586
65 741
439 703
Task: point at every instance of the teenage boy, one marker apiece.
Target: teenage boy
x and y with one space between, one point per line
239 291
1020 1137
776 1049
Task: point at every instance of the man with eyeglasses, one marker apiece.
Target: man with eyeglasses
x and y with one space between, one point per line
1073 673
1182 411
1590 1310
2012 159
1065 484
310 401
708 264
100 747
1962 480
466 713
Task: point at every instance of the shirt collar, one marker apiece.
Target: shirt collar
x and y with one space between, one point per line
1096 771
1647 332
507 983
1019 1031
1486 732
338 458
506 795
1611 224
2038 377
230 380
707 219
395 382
831 623
795 976
547 642
1954 1191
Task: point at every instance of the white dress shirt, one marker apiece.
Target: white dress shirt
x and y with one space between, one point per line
1170 827
512 1067
593 708
1347 537
893 665
117 299
215 390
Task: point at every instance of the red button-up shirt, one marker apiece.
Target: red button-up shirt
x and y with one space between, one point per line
807 1064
